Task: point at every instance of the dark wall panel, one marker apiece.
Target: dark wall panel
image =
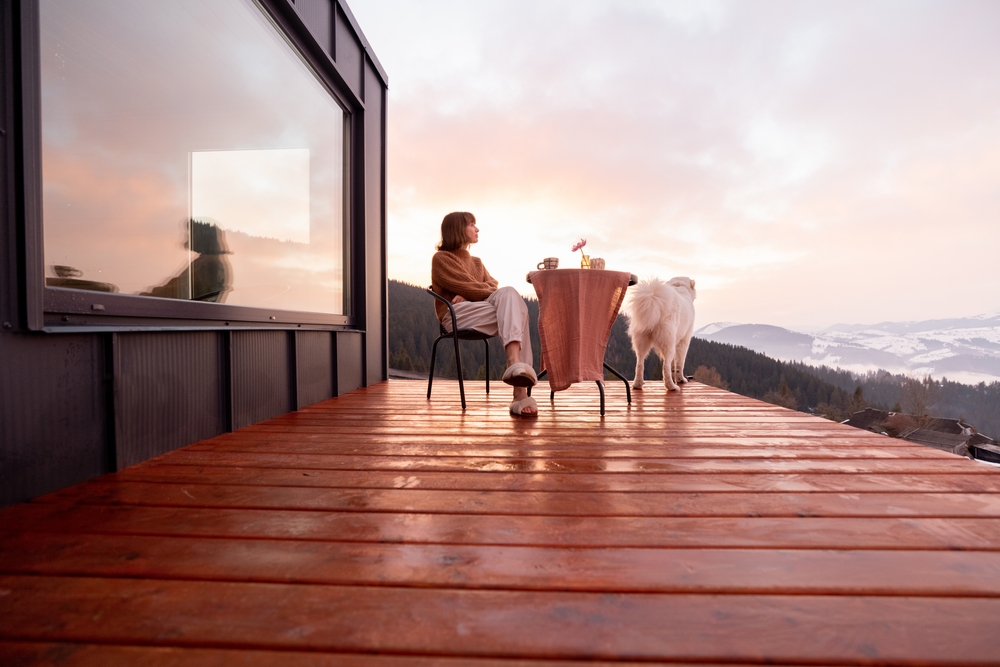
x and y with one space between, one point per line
375 227
262 376
318 17
349 375
52 413
10 275
314 367
169 392
349 54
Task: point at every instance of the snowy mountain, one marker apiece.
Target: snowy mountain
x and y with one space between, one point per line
961 349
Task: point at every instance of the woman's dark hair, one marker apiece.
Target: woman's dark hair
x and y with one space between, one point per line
453 230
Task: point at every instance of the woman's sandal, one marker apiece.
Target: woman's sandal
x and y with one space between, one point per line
517 408
520 375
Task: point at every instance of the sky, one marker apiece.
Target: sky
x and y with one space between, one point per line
807 163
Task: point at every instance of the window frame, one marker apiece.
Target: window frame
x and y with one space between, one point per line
62 309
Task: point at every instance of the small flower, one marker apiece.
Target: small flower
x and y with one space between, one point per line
579 244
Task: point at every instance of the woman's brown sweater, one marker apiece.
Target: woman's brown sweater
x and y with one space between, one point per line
456 272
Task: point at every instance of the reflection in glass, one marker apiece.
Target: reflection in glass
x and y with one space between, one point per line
209 276
188 153
260 193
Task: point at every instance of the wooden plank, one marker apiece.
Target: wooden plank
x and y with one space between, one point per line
414 414
492 425
65 654
707 532
747 571
672 450
575 414
576 465
481 623
583 482
638 444
564 503
493 428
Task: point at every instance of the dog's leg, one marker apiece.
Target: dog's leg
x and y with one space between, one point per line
675 371
681 359
640 345
640 367
668 353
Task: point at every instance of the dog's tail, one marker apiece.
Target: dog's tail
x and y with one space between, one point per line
646 305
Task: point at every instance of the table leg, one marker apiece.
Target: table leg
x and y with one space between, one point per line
628 389
541 374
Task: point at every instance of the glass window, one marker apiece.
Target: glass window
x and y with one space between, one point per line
188 152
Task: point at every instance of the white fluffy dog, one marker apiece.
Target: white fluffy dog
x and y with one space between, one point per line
661 316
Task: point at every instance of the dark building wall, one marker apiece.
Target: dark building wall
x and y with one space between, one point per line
80 405
53 413
167 392
314 370
376 342
77 404
318 15
263 376
348 52
349 374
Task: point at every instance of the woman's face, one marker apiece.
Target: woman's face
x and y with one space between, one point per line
472 233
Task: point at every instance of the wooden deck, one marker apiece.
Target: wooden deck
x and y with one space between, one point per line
383 529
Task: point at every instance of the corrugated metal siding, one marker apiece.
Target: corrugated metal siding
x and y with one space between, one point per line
374 329
348 53
169 392
262 376
349 375
318 17
314 367
52 413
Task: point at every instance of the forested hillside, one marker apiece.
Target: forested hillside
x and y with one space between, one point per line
824 391
978 404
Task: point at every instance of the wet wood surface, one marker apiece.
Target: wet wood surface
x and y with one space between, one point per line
384 529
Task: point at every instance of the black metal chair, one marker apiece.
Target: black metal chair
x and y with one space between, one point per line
456 335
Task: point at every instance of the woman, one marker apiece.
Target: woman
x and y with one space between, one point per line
479 304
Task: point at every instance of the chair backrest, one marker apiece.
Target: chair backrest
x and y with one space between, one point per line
451 311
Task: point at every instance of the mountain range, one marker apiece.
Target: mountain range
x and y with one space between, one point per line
964 350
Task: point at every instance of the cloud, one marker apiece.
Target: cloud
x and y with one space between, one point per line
807 163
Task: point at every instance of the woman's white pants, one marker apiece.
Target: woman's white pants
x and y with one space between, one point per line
503 314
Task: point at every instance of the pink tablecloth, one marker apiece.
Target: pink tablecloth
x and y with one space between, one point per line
576 308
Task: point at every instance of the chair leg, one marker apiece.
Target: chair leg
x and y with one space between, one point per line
600 385
487 344
430 376
458 365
